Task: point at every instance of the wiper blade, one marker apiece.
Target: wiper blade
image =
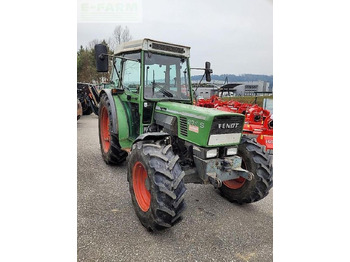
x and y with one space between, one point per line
176 99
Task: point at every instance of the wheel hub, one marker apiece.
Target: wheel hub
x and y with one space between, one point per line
105 135
235 183
141 186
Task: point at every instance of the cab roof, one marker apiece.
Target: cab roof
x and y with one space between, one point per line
155 46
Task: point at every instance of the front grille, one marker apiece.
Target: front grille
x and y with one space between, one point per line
227 124
183 126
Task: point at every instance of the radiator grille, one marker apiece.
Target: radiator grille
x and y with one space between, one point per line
227 124
183 126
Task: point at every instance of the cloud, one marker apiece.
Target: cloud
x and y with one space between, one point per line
235 36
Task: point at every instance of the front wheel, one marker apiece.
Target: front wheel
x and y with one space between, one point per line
256 160
156 185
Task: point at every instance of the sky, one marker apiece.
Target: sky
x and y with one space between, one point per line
235 36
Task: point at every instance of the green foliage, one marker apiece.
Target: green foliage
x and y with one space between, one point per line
86 66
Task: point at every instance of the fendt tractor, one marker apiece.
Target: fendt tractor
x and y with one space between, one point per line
147 116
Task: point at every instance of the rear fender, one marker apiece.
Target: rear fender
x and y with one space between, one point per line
108 92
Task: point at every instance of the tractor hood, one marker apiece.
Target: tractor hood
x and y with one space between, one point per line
206 127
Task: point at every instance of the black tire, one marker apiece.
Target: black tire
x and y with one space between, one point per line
256 160
86 108
111 154
165 185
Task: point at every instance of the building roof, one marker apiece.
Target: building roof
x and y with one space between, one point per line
230 86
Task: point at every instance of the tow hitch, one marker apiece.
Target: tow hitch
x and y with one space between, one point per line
219 170
229 165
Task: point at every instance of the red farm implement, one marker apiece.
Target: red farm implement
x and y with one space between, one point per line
258 121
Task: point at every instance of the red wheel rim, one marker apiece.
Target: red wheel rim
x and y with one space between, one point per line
142 194
235 183
105 136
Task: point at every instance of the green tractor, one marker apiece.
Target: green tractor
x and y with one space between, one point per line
147 116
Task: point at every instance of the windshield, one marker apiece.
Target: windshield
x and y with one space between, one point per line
166 77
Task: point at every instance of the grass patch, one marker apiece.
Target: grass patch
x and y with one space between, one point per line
248 99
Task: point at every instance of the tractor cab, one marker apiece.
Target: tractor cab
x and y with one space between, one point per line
143 73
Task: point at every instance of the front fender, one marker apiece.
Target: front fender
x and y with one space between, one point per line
151 136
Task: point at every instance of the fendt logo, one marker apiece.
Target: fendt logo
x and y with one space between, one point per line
228 125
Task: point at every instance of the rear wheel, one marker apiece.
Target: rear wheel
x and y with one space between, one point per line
156 185
109 142
256 160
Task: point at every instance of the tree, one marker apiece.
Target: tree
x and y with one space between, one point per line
86 64
120 35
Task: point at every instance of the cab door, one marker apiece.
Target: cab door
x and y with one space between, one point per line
131 82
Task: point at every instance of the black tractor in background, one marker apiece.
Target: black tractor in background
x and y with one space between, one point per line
88 97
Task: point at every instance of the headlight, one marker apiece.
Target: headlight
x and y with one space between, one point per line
212 153
231 151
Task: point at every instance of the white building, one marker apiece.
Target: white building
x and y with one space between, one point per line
250 88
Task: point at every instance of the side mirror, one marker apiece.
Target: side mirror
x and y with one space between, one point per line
208 71
101 57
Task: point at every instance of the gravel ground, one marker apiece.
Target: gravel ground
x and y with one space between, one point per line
212 229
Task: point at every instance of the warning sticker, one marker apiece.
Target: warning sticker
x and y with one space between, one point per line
193 128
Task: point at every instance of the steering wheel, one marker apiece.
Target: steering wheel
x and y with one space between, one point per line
165 92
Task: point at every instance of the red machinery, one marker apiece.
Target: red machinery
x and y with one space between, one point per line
258 121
